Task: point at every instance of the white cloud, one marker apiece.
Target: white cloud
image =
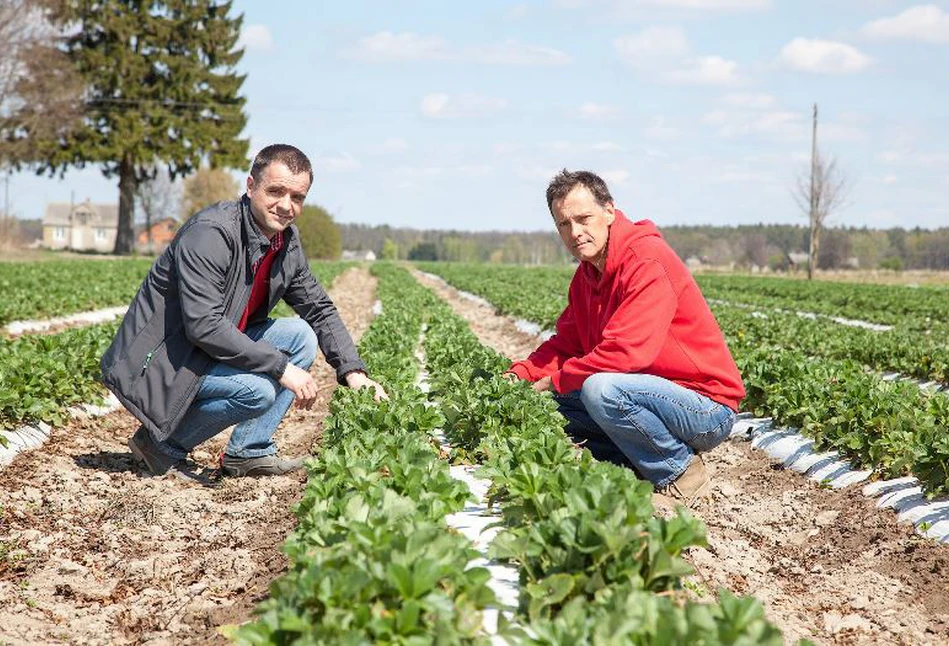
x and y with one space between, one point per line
660 128
707 70
745 176
475 170
395 145
557 146
336 162
889 179
617 176
606 147
511 52
596 111
462 106
652 46
823 57
255 37
750 101
537 173
927 23
912 158
663 52
711 4
388 47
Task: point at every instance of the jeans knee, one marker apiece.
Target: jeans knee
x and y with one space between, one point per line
304 345
257 400
597 389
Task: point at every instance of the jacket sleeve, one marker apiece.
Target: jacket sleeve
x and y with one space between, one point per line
308 299
202 257
635 332
550 356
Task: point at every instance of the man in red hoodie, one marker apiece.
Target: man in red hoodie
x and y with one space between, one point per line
638 364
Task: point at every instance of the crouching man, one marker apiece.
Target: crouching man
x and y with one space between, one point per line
197 353
638 364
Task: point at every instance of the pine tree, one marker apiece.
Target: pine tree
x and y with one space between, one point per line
160 86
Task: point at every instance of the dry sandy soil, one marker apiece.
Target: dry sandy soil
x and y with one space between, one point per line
827 564
95 551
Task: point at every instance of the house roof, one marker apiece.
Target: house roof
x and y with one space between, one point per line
100 215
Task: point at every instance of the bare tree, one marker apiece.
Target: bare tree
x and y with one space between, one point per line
205 187
40 91
158 198
820 192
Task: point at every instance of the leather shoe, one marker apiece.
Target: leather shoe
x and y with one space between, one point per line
264 465
693 484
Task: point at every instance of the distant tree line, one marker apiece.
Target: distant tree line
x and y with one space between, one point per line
761 245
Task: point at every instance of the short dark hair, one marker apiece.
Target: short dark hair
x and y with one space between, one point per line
290 156
565 181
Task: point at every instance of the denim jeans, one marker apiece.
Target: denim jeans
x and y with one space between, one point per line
253 401
645 422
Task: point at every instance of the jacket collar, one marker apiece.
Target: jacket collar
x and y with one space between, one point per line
256 242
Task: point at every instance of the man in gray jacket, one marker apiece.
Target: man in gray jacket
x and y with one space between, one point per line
197 353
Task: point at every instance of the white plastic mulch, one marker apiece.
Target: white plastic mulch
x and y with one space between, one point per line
17 328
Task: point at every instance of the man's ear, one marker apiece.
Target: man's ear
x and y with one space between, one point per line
250 183
610 213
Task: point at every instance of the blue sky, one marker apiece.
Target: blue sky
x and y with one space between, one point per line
455 115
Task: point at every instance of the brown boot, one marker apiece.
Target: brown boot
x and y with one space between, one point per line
691 485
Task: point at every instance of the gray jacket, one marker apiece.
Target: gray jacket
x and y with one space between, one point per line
184 317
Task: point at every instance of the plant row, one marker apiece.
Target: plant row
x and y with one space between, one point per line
41 290
372 560
596 565
910 354
811 375
41 376
891 426
914 309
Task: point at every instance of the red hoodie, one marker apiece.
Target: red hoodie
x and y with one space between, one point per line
645 314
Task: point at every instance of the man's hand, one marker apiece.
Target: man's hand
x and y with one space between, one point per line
359 379
510 376
545 383
301 384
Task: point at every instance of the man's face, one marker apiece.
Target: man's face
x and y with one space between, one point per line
277 199
584 225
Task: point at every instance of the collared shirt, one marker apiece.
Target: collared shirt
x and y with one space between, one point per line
261 288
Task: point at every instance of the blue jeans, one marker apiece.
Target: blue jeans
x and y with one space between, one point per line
254 401
645 422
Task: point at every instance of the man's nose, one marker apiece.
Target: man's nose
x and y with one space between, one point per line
284 203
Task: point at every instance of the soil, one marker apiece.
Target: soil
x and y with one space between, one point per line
93 550
827 565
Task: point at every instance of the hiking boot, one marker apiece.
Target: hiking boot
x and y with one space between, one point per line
265 465
145 450
691 485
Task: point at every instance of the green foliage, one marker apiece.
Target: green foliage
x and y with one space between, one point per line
424 251
42 375
46 289
893 263
390 250
319 234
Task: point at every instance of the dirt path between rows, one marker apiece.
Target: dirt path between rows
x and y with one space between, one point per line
826 564
94 551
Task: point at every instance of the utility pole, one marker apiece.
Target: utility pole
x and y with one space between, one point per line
812 250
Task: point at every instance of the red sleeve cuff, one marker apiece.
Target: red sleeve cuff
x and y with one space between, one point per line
521 371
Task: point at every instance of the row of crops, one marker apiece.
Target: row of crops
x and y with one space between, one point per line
374 561
812 374
40 290
43 375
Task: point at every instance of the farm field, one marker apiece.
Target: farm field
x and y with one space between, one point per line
368 557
